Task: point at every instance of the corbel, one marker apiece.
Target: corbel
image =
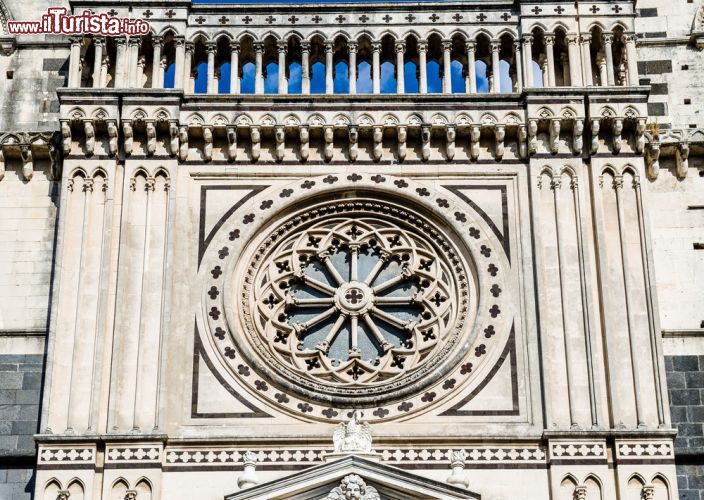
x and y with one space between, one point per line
652 160
682 156
475 133
596 125
256 136
207 142
554 135
425 142
183 142
522 141
377 136
151 137
65 137
577 136
112 136
640 135
616 130
280 137
55 162
89 130
328 136
173 137
353 134
127 134
27 162
532 136
231 132
304 137
402 145
451 136
500 135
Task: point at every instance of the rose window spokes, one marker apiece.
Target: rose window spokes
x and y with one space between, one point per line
355 301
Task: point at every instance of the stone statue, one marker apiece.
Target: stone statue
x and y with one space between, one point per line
353 487
354 436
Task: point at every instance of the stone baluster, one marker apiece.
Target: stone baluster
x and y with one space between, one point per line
423 65
234 68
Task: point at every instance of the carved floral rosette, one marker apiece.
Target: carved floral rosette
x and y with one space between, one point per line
428 296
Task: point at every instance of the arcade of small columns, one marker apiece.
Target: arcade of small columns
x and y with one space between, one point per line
536 59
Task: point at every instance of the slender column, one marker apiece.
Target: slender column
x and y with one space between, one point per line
446 67
157 43
400 80
352 48
573 52
376 67
517 56
210 85
104 71
472 67
423 66
495 69
565 61
282 45
329 82
549 46
179 71
192 81
234 67
528 59
258 71
120 56
305 68
544 69
133 61
141 62
162 71
608 39
631 58
74 77
98 43
587 78
187 63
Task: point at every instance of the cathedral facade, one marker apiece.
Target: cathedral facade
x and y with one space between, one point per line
371 250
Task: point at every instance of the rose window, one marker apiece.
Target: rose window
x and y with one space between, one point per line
349 299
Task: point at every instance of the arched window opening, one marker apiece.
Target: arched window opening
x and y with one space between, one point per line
388 65
293 60
317 65
539 59
270 64
168 61
458 65
86 63
365 56
434 64
483 64
411 76
199 67
507 65
341 67
247 65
